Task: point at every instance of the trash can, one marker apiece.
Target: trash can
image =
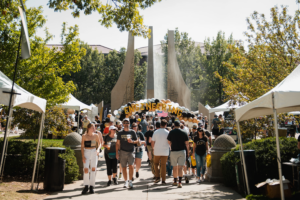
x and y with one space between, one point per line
54 169
251 166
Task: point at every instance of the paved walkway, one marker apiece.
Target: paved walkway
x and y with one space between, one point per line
144 189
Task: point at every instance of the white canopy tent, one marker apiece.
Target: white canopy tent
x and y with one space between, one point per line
75 104
282 98
207 107
23 99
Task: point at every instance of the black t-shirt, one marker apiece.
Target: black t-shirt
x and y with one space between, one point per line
193 135
122 136
178 138
141 136
207 133
112 141
201 145
148 134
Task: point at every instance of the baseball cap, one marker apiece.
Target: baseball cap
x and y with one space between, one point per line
112 127
215 115
118 123
126 119
177 123
139 120
195 126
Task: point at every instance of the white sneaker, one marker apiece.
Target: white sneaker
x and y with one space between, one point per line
126 184
198 180
202 179
130 185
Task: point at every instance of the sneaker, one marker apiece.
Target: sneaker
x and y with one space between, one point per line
115 181
130 185
126 184
137 174
202 179
163 183
198 181
154 178
179 185
132 179
174 184
109 183
157 180
120 175
85 189
92 190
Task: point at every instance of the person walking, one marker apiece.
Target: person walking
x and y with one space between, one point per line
110 155
138 148
90 145
148 138
85 123
144 124
200 150
126 140
215 127
178 141
161 151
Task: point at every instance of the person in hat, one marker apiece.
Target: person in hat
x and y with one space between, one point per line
144 125
193 134
126 140
215 127
110 155
191 163
178 141
138 121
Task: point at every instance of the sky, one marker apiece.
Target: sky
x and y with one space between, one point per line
201 19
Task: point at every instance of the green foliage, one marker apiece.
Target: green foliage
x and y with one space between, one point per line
29 120
273 52
41 73
124 13
21 156
99 73
265 153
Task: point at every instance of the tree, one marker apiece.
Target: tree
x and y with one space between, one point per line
99 73
124 13
213 69
274 51
41 73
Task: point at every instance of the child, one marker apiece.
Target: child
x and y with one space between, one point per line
191 162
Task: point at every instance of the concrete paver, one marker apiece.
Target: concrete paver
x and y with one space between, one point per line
144 189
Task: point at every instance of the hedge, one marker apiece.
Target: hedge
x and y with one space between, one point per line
21 156
266 154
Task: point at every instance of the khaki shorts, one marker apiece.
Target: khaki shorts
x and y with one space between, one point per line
177 158
126 158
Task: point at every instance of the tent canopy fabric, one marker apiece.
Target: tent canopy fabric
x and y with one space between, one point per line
225 107
25 100
207 107
286 98
75 104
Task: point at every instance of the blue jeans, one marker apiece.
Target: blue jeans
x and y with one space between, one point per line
200 164
169 168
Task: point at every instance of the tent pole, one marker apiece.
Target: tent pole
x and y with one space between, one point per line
37 148
78 121
243 156
278 154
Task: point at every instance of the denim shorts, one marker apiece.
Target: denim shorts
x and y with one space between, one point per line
139 154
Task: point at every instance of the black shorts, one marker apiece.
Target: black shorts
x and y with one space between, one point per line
216 131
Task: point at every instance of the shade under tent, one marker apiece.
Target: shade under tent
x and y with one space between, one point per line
23 99
281 99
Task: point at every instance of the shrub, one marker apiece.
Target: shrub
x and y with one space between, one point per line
265 153
21 156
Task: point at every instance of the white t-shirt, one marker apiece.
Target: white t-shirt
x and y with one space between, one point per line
187 130
161 147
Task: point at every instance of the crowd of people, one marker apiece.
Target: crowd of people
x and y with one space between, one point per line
171 147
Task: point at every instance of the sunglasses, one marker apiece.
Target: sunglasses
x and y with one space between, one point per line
134 126
125 123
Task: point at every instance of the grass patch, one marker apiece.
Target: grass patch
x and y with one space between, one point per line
46 142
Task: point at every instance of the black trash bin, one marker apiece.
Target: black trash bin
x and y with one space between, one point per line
251 166
54 169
